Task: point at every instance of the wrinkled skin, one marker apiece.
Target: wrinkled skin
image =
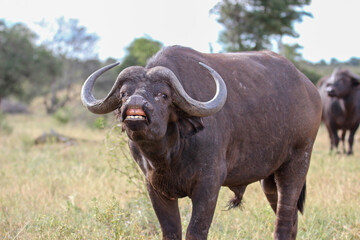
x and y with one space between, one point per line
265 131
340 94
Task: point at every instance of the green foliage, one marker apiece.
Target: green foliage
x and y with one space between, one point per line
250 25
291 52
16 51
62 115
310 74
139 51
46 67
28 69
100 122
24 66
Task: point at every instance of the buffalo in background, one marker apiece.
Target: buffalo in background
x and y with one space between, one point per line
340 94
260 125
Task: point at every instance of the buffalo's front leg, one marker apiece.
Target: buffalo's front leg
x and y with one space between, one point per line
167 212
334 137
204 200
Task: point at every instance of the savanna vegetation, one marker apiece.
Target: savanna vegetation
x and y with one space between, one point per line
67 174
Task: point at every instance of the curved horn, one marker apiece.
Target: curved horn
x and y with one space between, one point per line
333 75
188 104
355 76
112 100
102 106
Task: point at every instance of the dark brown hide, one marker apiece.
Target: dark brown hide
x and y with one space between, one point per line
265 131
340 94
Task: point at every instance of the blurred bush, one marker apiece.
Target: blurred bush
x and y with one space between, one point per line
62 115
100 122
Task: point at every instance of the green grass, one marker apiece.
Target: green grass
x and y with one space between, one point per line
91 190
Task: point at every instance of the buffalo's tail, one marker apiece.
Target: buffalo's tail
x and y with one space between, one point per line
235 202
301 201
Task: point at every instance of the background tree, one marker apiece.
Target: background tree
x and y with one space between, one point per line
16 50
139 51
334 61
291 52
24 66
71 40
354 61
73 46
252 24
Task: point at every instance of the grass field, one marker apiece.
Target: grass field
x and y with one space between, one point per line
90 190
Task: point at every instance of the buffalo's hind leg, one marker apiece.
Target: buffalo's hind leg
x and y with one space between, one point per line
269 187
290 182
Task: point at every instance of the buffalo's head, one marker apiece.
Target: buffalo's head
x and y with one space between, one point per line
341 83
148 100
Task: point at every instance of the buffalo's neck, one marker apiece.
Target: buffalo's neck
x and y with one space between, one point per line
349 103
162 165
162 153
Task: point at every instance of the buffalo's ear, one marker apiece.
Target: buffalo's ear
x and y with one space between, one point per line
189 126
355 79
355 82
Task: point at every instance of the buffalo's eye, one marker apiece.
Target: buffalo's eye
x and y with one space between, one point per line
162 96
123 94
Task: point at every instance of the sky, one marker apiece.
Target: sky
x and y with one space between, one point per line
332 32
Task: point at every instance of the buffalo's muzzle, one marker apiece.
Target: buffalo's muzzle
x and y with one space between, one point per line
331 91
135 118
136 115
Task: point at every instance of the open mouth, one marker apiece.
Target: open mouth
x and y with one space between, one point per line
135 114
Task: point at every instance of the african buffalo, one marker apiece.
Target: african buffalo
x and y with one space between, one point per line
340 94
260 124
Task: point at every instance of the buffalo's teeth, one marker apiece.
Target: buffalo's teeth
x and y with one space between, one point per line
135 117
